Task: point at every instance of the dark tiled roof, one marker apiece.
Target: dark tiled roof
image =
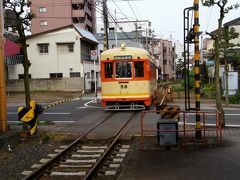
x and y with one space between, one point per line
233 22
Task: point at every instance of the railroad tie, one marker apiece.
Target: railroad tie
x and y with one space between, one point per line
86 155
56 173
81 161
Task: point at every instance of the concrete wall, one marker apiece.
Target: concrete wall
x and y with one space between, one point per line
61 84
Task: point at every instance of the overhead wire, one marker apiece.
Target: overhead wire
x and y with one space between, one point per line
209 19
137 9
132 10
119 27
121 12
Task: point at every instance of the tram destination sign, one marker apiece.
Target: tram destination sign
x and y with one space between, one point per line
128 57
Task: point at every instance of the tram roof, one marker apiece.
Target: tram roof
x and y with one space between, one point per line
133 51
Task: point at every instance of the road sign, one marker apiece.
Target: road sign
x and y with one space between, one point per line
94 54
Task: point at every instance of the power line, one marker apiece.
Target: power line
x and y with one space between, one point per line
209 19
132 9
119 26
122 12
137 9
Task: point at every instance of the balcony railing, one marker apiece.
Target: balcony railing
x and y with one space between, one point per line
88 58
12 60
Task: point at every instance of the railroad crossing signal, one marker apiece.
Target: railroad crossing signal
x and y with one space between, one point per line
94 54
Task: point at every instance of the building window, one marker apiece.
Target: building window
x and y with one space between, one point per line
65 47
90 6
75 74
88 75
78 19
77 6
164 62
43 23
42 9
56 75
21 76
89 17
43 48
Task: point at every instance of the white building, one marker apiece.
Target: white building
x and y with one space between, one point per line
63 53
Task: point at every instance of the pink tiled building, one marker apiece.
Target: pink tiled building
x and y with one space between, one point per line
52 14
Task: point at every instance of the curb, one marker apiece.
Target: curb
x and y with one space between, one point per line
62 101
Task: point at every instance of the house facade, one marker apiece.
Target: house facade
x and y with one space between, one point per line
60 60
208 45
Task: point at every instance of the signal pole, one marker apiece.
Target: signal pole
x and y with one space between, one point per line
196 69
105 21
3 116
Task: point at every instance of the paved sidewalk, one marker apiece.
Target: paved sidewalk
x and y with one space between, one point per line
217 162
204 103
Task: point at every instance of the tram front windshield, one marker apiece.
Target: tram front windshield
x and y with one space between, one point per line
123 69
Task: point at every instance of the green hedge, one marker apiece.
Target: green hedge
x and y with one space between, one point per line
235 99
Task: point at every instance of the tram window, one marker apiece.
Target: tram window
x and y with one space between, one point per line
138 69
108 69
123 69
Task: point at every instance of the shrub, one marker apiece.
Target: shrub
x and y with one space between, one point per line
235 99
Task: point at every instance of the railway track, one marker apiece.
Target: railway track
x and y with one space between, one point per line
84 159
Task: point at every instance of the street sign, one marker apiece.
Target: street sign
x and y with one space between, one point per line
94 54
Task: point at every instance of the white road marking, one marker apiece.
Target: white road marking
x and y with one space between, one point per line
81 107
92 101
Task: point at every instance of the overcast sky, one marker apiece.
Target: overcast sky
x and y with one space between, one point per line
166 16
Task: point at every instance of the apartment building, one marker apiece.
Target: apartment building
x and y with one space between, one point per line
53 14
165 56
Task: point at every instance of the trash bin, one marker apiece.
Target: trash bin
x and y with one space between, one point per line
167 138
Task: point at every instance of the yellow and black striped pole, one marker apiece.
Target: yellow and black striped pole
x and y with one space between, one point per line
196 69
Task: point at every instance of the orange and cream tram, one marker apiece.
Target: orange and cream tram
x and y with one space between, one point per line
128 77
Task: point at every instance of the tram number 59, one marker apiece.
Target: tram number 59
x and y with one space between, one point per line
123 86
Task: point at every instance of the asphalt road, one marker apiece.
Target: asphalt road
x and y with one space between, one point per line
75 110
70 111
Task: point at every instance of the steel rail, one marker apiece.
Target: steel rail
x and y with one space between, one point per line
38 172
92 171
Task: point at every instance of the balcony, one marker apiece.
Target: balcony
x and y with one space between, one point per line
78 13
78 1
87 57
12 60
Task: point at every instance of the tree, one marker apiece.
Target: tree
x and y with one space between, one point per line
224 46
19 21
223 11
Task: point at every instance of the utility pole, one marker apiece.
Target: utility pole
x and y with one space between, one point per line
147 31
105 21
197 69
115 30
153 43
3 116
136 30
